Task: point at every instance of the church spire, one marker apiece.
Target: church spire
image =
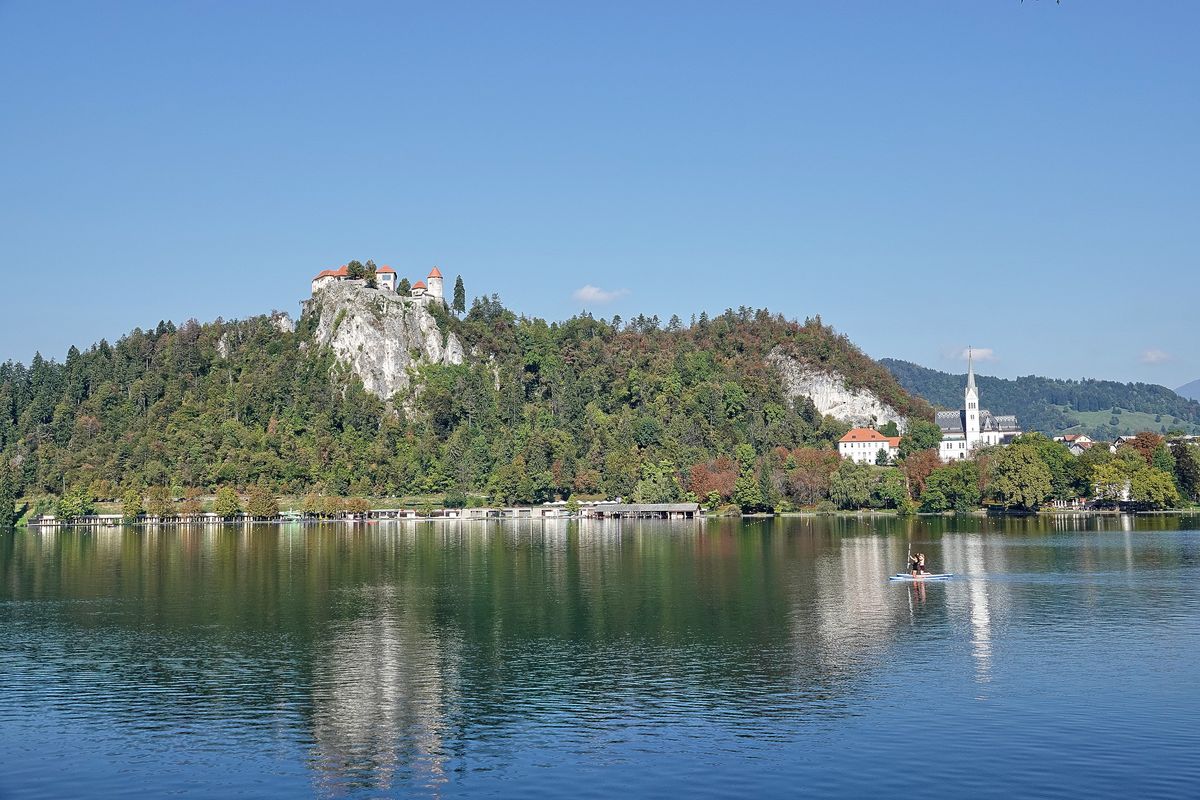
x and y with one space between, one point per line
970 371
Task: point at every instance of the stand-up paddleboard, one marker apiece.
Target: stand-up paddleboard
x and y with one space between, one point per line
904 576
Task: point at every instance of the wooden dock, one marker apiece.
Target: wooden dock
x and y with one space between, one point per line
548 511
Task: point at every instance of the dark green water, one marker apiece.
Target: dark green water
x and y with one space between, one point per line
721 659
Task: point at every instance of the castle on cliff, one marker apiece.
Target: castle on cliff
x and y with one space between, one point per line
385 279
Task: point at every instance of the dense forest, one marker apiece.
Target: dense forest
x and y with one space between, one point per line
543 410
1051 405
248 410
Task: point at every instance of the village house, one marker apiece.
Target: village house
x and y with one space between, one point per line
864 445
1077 443
971 426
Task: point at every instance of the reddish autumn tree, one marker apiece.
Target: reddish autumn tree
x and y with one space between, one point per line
718 475
587 481
1145 443
808 481
917 467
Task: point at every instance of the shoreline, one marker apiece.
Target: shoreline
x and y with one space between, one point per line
112 524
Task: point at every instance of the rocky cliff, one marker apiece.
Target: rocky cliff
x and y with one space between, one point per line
382 337
830 393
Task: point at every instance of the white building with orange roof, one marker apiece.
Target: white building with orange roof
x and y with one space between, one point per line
864 445
435 284
431 291
328 276
385 278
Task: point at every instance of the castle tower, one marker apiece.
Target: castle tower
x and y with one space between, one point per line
971 405
435 284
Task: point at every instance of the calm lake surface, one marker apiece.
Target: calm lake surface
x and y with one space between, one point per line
719 659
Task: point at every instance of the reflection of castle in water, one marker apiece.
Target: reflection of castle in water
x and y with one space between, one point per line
381 695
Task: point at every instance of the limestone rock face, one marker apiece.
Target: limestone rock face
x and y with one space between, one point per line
283 322
829 393
381 336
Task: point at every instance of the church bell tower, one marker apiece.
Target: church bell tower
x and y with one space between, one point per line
971 405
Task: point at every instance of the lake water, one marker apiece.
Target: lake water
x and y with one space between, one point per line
720 659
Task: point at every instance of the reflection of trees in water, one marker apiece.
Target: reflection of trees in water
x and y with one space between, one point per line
381 691
470 632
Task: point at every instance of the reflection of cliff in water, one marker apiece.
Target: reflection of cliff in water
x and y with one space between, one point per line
382 687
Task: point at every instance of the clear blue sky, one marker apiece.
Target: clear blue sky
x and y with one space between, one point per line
1022 177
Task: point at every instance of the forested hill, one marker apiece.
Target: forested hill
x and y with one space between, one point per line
1102 409
538 409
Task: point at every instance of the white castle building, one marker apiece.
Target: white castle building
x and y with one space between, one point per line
385 278
971 427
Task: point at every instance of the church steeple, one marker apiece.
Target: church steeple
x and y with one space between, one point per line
971 406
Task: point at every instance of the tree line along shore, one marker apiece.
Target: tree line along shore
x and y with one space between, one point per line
1147 473
229 416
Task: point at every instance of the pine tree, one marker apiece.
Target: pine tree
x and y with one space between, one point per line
404 287
8 498
460 296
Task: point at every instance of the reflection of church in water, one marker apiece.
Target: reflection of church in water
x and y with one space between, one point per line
380 699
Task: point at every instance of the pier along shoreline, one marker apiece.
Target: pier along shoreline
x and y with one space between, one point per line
602 511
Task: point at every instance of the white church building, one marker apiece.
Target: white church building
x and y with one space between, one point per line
971 427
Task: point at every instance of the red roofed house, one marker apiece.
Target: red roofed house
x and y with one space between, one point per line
863 445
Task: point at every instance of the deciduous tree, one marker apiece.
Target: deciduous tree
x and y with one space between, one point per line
227 503
159 502
1019 477
261 502
850 485
953 487
191 506
76 503
920 435
1153 488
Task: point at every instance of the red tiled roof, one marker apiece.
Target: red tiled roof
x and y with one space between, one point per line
419 285
435 273
341 272
384 269
893 441
864 435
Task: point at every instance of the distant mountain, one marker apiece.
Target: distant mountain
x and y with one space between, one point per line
1101 409
1190 390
